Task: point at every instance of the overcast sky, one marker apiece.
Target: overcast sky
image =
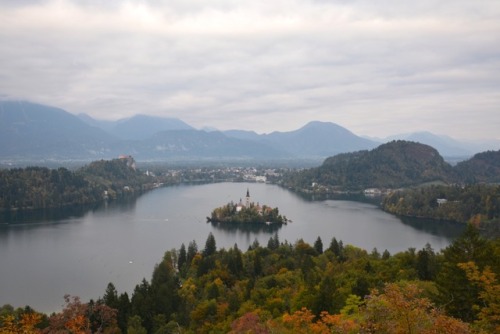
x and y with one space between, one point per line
377 68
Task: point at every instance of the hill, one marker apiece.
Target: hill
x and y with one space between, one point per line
482 167
42 188
392 165
446 146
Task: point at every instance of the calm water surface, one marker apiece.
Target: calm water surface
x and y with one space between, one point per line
122 242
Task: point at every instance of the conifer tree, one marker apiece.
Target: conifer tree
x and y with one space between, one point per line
210 246
318 246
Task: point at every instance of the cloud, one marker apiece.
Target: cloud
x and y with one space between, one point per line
374 67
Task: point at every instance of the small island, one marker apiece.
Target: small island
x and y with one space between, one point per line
246 212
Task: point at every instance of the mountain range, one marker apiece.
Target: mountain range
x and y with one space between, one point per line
30 131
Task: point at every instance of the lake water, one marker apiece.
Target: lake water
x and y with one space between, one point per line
121 242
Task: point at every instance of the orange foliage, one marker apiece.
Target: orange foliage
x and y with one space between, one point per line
303 321
249 323
78 325
401 309
26 324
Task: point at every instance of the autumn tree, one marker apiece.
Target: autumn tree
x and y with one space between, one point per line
489 296
400 308
457 294
78 317
26 322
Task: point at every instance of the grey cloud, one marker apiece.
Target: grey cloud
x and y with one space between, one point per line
372 67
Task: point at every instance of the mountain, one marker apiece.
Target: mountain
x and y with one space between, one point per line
392 165
314 140
482 167
102 124
197 144
243 134
30 131
42 132
318 139
137 127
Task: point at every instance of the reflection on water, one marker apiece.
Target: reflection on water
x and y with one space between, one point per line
55 215
436 227
42 216
247 227
355 197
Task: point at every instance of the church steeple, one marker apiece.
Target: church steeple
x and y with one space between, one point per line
247 204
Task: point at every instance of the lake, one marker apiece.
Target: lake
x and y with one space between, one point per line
42 259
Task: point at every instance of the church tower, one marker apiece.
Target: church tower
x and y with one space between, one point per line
247 204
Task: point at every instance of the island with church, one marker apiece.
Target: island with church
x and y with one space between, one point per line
247 212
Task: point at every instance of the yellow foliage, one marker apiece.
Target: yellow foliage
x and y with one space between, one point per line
26 324
489 311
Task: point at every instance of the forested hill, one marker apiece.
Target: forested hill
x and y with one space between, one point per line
392 165
482 167
115 175
40 188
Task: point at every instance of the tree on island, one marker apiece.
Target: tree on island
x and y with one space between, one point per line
248 212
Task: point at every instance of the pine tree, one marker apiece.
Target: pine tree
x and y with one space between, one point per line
210 246
110 297
318 246
182 259
191 251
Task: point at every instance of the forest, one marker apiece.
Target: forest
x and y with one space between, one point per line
41 188
394 165
294 288
478 204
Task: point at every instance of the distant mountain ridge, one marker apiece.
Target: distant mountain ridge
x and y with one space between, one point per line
57 134
38 131
34 131
313 140
319 139
138 127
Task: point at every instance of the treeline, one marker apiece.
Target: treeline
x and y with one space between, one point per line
40 188
478 204
298 288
